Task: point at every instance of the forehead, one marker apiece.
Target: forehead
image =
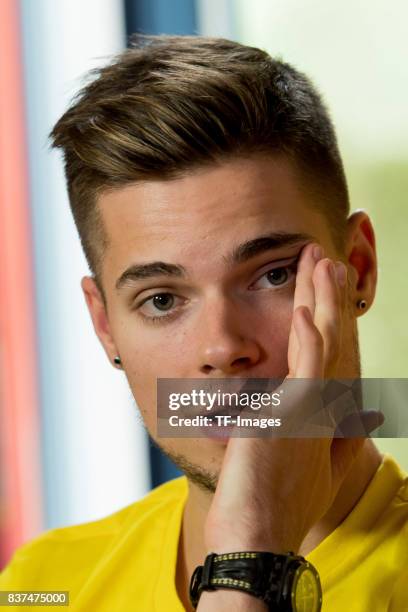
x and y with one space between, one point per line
202 214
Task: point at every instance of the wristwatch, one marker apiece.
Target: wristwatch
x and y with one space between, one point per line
285 582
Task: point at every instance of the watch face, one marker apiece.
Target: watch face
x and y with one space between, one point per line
306 590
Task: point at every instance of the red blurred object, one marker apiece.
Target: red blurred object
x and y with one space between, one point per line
20 488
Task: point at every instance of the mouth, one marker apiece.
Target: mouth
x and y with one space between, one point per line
231 411
216 431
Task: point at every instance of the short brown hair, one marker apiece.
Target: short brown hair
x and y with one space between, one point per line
172 103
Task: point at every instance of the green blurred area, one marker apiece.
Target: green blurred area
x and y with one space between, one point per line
397 447
381 189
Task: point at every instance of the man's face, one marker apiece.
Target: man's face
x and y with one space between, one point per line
219 315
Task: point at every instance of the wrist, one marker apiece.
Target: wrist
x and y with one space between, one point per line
276 545
224 538
224 600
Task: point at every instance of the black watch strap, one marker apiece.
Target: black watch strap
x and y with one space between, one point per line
263 574
257 573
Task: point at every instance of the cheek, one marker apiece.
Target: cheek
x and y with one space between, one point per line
171 350
272 324
149 353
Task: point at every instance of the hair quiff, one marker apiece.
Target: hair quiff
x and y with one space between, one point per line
170 104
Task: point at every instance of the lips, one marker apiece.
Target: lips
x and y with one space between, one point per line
231 410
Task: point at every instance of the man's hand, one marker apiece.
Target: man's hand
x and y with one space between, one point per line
271 491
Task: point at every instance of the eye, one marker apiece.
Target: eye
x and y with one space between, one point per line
158 303
163 301
276 277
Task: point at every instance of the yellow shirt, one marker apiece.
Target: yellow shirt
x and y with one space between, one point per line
127 561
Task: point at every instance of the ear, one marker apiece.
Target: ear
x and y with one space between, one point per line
99 316
362 258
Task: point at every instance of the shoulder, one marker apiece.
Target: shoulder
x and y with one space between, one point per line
65 551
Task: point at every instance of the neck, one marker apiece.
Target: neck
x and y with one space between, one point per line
192 549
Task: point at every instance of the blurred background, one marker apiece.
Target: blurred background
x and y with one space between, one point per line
72 446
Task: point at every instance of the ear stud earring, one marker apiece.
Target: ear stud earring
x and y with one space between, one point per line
361 304
117 360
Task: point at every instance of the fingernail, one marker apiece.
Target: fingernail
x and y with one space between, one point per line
317 253
341 273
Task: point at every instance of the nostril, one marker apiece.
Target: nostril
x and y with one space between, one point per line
241 361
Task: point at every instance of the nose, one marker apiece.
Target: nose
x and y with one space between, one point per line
226 344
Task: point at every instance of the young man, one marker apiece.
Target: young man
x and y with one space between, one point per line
209 195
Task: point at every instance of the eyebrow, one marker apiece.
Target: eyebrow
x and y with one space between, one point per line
240 254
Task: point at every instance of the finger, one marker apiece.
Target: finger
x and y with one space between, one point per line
304 294
304 384
328 312
309 363
361 423
304 291
342 283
